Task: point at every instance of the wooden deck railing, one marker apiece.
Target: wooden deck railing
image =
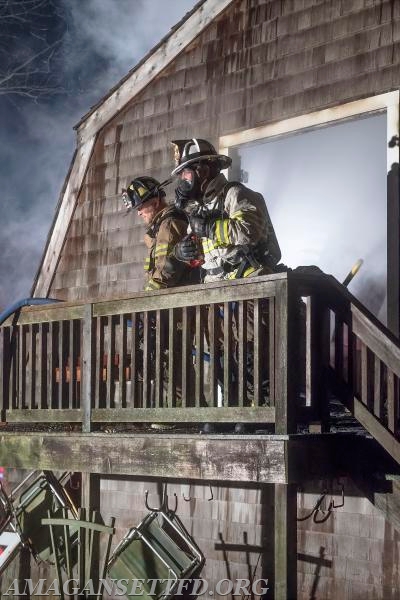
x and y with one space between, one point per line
219 352
362 364
259 350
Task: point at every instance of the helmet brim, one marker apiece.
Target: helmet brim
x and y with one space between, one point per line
224 161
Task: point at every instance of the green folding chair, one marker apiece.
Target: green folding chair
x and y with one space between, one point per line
158 549
28 504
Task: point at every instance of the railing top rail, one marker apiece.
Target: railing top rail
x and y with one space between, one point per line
224 291
46 313
194 295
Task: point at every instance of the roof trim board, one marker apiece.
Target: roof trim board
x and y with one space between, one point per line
89 127
149 69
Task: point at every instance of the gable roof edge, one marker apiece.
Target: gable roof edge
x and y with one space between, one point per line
149 67
88 128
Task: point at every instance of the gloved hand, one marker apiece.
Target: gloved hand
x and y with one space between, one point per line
187 249
201 225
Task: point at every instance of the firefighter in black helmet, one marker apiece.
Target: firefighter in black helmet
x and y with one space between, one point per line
166 226
232 220
237 236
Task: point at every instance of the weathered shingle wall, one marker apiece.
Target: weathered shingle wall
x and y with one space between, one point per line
259 61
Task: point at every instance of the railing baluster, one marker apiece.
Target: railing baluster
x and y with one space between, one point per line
14 351
364 374
21 367
110 348
378 407
392 401
159 371
213 320
52 366
199 383
146 362
88 367
135 398
5 371
258 344
227 354
100 367
41 380
186 355
367 372
338 346
242 353
270 302
172 357
122 347
33 366
73 363
62 354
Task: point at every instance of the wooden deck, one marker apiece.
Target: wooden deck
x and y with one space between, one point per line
189 355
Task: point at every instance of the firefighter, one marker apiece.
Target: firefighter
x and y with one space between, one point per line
166 226
237 236
232 221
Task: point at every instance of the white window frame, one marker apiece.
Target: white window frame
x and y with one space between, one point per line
388 103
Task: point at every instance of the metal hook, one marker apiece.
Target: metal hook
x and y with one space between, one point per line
211 492
342 494
188 499
164 502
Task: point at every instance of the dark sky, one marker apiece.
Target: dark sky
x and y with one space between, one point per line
85 47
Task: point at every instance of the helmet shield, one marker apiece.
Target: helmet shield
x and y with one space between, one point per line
189 152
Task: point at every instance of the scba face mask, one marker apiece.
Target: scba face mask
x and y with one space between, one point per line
188 187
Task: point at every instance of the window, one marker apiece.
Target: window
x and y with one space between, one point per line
324 178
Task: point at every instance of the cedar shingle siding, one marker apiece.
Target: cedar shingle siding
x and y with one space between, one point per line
257 62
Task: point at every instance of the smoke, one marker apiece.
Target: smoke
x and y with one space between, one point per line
103 40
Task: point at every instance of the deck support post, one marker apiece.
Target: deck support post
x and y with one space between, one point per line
285 551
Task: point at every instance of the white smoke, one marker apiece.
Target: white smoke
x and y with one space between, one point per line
105 39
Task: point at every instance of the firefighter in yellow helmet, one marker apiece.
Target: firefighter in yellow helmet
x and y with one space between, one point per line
166 226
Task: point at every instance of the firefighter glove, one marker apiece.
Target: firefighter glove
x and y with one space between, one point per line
201 225
187 249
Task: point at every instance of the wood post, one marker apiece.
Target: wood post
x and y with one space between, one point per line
90 491
286 340
285 531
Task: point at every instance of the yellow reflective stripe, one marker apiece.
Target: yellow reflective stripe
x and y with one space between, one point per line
152 285
161 253
238 215
207 245
246 273
162 247
221 231
249 271
146 265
